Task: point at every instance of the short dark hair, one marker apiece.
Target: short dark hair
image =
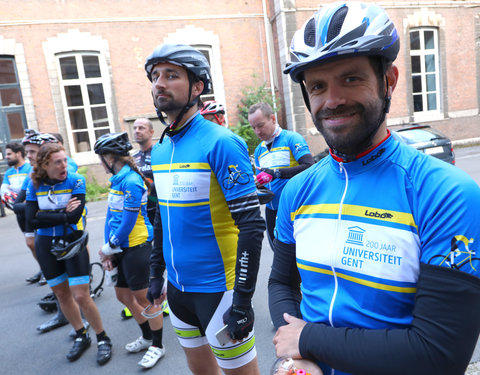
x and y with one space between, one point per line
16 147
58 136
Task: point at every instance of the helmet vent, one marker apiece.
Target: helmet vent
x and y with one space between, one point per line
309 35
336 23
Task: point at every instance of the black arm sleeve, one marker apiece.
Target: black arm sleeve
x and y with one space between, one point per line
284 294
19 204
246 214
305 161
31 208
157 262
46 219
440 339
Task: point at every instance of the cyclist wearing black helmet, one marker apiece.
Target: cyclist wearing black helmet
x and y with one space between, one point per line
208 217
55 206
373 269
128 236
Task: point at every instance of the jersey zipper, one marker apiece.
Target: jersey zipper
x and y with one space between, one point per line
168 221
333 258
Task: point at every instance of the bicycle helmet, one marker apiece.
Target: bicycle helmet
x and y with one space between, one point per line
70 245
183 55
36 138
211 107
193 61
342 30
9 198
113 143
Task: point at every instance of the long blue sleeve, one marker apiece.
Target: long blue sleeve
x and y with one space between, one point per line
129 217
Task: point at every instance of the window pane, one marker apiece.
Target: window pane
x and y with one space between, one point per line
10 97
7 71
73 95
95 94
77 119
416 64
81 142
99 116
414 40
68 67
100 132
417 83
429 63
15 124
417 103
91 66
429 41
431 82
432 102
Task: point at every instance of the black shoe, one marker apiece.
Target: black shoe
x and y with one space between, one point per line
104 351
79 346
58 320
35 278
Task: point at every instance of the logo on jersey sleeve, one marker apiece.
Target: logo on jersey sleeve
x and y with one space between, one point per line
78 184
235 177
460 256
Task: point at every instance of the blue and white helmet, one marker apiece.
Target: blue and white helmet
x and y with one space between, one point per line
344 29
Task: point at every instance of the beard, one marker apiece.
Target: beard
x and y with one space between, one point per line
12 163
167 104
360 135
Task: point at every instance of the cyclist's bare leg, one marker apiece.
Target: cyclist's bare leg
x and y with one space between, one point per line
251 368
141 298
30 241
125 296
68 305
201 361
81 294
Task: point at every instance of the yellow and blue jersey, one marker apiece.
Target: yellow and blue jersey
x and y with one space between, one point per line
55 198
196 173
14 178
286 149
127 193
361 230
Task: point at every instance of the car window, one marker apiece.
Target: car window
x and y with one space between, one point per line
419 135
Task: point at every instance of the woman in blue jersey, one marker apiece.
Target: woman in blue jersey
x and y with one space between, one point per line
55 204
128 236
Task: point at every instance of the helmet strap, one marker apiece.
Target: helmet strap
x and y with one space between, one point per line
109 167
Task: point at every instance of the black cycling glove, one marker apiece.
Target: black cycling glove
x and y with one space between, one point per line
155 288
239 320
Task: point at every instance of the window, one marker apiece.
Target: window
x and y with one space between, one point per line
84 91
207 53
424 57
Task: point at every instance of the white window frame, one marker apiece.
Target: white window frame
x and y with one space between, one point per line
426 114
86 157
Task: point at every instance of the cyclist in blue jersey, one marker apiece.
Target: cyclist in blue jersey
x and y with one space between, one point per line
15 175
208 229
215 112
55 207
128 236
281 155
382 237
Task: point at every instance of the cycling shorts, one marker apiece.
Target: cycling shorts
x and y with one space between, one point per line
196 317
76 269
133 267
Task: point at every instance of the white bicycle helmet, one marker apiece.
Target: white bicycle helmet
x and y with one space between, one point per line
344 29
212 107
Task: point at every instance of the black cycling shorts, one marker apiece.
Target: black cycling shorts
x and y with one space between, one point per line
195 309
77 266
134 267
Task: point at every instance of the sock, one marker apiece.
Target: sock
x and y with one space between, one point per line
157 338
102 336
146 331
82 332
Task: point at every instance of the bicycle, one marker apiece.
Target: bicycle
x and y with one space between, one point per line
235 177
452 258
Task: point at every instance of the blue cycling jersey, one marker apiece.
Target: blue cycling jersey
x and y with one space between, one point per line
55 198
362 228
14 178
72 167
287 148
128 194
196 172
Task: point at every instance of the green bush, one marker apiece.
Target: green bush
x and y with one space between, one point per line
252 95
95 191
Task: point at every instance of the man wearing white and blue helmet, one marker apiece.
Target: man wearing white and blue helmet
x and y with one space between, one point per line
381 236
208 230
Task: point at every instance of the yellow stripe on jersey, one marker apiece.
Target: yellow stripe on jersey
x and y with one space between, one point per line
226 232
64 191
357 280
139 233
358 211
176 166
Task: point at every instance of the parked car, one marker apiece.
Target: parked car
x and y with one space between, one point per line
427 140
